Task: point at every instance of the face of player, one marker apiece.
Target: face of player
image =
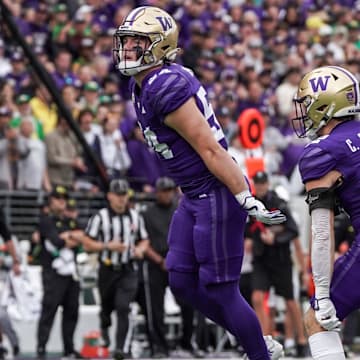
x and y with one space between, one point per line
134 47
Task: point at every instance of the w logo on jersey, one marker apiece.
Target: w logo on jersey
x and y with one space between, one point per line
320 82
165 22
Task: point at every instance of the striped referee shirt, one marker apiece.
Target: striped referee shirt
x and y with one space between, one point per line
106 225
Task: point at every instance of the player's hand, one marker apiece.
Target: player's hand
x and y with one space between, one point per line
325 314
257 209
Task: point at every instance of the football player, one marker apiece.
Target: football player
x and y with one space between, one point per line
327 104
178 122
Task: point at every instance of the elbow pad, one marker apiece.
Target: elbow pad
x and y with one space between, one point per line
323 198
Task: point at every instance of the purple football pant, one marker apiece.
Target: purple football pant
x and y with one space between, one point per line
204 263
345 282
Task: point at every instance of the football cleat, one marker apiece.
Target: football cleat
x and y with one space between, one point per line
275 349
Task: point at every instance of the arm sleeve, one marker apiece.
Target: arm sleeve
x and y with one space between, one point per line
322 251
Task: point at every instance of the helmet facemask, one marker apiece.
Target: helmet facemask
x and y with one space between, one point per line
326 93
161 34
143 50
302 124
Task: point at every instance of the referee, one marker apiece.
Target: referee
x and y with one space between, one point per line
118 234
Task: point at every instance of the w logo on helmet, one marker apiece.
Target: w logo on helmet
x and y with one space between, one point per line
319 82
165 22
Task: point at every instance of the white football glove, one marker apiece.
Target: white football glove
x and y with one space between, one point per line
325 314
257 209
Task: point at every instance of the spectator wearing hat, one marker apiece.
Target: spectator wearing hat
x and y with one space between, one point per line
32 166
272 262
24 111
118 234
85 52
60 24
154 277
8 150
90 96
228 125
38 25
59 243
208 74
63 155
19 74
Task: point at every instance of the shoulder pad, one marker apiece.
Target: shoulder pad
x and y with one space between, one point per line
315 163
168 90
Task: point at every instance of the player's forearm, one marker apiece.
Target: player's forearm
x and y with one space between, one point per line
12 251
322 251
223 166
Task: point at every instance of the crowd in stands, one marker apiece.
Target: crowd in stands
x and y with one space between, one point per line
248 54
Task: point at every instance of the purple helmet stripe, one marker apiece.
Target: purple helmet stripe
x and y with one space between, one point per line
133 15
353 79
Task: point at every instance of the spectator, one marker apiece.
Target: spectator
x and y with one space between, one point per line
88 180
24 111
70 94
63 74
118 234
8 150
113 149
285 92
19 74
43 108
59 241
63 155
32 170
90 96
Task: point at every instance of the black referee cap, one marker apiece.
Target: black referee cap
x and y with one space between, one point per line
119 186
260 177
165 183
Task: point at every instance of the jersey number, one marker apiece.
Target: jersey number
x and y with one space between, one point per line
164 150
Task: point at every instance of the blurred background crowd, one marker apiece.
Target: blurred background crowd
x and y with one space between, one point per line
248 54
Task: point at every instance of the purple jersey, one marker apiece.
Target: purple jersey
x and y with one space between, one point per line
338 151
163 91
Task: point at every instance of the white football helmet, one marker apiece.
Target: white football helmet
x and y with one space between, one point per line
151 23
